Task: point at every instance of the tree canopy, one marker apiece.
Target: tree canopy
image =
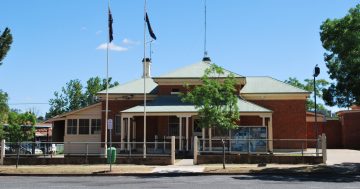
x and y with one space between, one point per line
308 85
341 39
216 100
4 107
74 96
20 127
6 40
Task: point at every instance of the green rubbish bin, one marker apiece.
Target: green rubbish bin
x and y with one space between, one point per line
111 153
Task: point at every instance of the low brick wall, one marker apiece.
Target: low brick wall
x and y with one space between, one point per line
257 159
152 160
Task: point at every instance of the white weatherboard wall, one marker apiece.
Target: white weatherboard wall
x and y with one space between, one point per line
71 148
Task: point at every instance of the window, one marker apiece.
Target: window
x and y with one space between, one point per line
173 126
197 128
84 126
95 126
117 124
72 126
175 91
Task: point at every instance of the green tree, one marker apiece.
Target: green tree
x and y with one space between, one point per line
216 101
341 39
2 132
94 85
21 128
6 40
58 105
308 85
4 107
73 96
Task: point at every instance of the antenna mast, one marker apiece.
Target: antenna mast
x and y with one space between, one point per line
205 51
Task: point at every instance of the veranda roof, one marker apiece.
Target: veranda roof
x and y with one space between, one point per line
173 104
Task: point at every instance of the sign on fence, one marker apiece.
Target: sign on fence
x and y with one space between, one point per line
110 124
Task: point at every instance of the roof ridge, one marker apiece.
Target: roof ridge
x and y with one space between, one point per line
187 72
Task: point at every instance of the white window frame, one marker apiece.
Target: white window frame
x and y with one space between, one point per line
72 125
96 126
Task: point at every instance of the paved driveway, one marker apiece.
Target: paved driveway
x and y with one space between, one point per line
341 156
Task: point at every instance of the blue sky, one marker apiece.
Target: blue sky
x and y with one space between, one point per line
56 41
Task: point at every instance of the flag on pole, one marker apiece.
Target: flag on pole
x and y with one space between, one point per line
110 27
151 32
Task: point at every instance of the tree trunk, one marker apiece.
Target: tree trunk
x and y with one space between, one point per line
223 143
17 155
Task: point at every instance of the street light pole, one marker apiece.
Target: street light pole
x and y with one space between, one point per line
316 73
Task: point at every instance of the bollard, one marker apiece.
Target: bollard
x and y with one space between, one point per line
195 150
323 147
172 150
2 152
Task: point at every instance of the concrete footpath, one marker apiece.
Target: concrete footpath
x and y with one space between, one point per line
214 169
344 162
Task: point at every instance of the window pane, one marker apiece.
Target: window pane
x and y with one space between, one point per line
83 126
95 126
117 124
72 126
173 126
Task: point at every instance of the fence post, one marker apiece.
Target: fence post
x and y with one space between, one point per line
87 153
323 147
196 151
2 152
156 142
172 150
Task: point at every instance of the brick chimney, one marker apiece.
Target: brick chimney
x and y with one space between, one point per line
146 72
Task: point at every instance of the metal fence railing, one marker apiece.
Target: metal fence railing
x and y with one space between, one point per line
61 149
292 147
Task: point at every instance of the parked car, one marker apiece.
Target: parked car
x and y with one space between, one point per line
27 150
24 149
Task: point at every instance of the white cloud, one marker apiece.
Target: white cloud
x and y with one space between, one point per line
98 32
127 41
112 47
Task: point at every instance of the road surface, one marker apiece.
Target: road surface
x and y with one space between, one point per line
183 182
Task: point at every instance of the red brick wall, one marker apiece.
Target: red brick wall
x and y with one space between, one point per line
250 120
289 120
351 130
115 106
166 89
332 130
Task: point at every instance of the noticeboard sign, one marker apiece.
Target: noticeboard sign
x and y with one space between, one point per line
110 124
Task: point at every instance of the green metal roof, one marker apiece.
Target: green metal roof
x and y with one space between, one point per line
246 106
173 104
268 85
193 71
133 87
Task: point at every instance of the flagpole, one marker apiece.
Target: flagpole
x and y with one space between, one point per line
144 75
107 87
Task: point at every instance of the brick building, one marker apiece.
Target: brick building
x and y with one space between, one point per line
269 109
341 132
